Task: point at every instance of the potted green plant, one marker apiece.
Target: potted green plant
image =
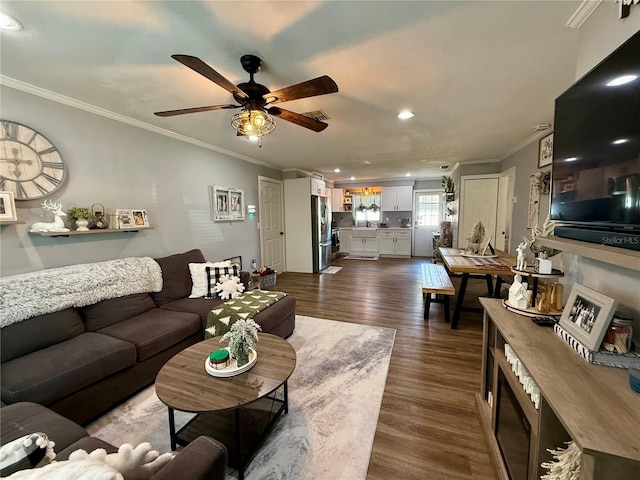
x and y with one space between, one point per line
79 217
448 187
242 336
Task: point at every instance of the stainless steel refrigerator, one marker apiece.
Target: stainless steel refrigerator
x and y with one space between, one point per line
320 232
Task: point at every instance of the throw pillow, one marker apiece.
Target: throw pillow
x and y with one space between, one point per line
229 287
200 277
214 273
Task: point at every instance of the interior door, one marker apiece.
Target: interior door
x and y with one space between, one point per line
505 209
479 202
428 215
271 223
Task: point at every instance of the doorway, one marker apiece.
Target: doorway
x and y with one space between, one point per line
271 214
427 214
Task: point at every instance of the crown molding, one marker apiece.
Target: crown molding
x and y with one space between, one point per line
71 102
527 141
584 11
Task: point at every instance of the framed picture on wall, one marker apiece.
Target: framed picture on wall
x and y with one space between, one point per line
586 315
227 204
7 207
545 151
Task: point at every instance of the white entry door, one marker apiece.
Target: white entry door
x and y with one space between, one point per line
478 202
427 217
271 216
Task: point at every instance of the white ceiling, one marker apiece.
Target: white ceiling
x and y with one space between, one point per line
478 75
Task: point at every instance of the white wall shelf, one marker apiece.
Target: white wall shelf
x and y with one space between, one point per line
604 253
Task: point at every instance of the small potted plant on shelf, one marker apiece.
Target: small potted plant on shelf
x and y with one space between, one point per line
448 187
79 217
242 336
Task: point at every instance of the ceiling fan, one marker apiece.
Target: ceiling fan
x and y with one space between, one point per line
254 121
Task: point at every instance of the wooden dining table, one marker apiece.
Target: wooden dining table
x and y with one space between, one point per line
476 266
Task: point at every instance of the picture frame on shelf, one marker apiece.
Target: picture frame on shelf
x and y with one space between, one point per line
237 260
227 204
545 150
124 219
140 218
8 207
586 315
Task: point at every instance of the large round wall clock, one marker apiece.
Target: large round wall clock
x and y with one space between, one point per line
30 165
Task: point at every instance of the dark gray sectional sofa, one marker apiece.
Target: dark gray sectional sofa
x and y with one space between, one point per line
80 362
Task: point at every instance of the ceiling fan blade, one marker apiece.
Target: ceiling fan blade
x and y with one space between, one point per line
182 111
310 88
197 65
298 119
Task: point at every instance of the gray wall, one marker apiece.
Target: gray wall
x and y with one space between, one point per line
602 33
122 166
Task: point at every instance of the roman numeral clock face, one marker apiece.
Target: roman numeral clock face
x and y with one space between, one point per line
30 166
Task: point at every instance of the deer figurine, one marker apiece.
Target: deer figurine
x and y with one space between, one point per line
57 225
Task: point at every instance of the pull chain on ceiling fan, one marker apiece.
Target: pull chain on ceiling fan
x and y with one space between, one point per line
256 118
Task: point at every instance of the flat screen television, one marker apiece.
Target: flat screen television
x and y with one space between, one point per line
596 153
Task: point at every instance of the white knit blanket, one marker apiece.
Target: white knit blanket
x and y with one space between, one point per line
45 291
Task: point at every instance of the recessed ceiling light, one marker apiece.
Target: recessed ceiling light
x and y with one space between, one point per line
407 174
352 178
620 141
9 23
405 114
616 82
336 170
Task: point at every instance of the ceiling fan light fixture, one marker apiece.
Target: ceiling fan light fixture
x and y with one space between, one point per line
253 124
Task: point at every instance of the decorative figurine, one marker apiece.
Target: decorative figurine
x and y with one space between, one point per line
57 225
518 293
521 260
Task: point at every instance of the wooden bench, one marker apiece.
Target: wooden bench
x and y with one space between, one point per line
436 281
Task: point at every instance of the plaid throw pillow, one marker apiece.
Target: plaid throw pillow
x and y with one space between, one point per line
214 274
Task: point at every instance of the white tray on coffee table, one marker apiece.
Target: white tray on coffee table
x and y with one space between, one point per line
232 369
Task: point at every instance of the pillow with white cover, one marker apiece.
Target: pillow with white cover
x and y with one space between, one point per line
200 279
229 287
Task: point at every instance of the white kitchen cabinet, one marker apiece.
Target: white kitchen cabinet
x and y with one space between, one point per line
399 199
395 242
318 187
345 240
363 245
336 200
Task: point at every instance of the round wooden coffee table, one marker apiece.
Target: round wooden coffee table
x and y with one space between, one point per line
183 384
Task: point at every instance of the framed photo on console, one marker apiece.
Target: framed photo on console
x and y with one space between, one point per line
140 218
586 315
7 207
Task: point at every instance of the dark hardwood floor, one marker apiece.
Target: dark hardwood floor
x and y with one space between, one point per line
428 427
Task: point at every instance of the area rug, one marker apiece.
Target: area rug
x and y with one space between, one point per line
331 270
361 257
335 394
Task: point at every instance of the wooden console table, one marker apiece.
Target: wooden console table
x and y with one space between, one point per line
592 405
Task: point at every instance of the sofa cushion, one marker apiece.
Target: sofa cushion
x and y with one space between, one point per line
176 277
23 418
52 373
154 331
39 332
199 306
200 282
114 310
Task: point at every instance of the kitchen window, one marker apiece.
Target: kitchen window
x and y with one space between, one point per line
366 208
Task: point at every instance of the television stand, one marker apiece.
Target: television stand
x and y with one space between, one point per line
592 405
